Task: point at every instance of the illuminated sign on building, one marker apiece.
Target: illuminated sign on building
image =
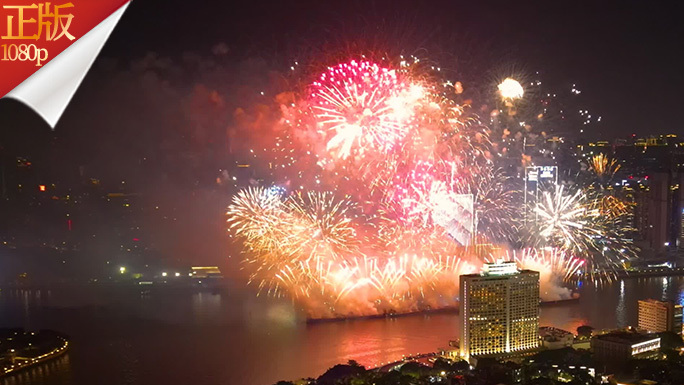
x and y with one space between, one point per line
542 173
548 172
499 268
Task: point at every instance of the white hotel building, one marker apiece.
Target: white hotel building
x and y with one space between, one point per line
499 311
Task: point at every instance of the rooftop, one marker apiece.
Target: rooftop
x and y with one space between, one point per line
627 337
551 331
500 268
499 276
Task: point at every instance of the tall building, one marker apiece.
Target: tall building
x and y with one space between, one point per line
659 210
499 311
660 316
537 180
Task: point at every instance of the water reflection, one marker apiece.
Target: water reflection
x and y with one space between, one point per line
54 372
620 310
206 306
666 282
162 337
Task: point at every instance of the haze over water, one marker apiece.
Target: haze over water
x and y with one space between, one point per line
125 336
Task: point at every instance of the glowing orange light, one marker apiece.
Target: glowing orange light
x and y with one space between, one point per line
41 187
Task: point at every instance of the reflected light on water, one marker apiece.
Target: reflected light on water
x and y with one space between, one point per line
621 310
252 340
206 306
54 372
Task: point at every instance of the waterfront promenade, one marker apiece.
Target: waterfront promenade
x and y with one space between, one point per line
23 355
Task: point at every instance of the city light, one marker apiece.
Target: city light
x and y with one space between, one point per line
346 194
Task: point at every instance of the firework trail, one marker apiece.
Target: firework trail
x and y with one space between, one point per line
562 264
555 267
566 220
319 227
397 187
603 167
586 224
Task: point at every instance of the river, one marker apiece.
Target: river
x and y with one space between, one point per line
127 336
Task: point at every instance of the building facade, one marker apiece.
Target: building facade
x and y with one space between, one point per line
660 316
499 311
614 350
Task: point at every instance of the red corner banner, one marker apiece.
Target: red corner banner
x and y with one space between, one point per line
51 42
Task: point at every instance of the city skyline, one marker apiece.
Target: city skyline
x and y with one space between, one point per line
362 192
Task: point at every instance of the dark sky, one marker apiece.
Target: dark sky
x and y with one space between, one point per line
626 56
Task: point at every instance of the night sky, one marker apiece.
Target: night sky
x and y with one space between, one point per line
626 56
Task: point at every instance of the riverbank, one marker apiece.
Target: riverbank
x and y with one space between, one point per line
21 350
443 310
118 336
651 272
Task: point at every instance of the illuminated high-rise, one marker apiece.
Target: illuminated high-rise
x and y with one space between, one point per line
537 180
660 316
499 311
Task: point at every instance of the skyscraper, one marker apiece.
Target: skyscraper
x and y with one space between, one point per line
499 311
660 316
537 180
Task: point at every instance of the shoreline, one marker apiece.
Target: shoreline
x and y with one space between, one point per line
443 310
27 363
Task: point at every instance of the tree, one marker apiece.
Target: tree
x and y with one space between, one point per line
461 366
414 369
340 372
585 331
442 364
394 378
354 363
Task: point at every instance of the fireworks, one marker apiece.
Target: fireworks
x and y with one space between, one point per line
555 267
306 247
510 89
361 107
551 260
585 224
319 227
402 190
603 167
613 207
565 219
